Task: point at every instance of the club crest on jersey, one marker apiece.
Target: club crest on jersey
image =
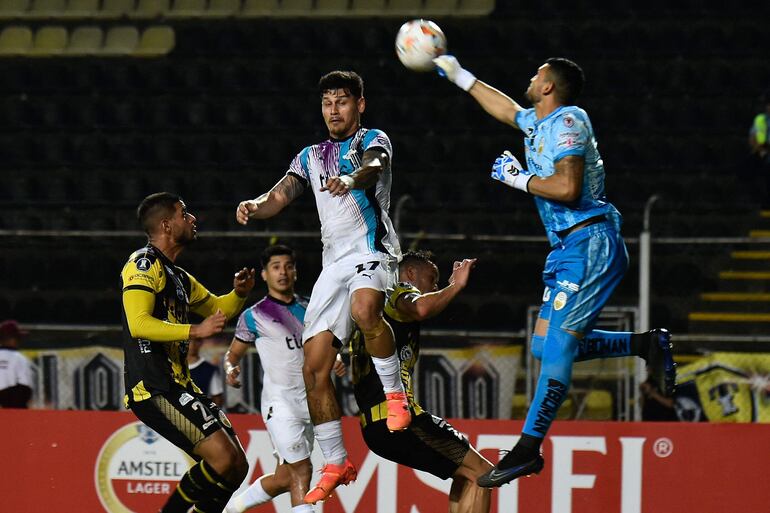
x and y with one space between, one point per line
143 264
560 301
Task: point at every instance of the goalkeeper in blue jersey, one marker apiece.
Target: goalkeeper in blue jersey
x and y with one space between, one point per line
588 258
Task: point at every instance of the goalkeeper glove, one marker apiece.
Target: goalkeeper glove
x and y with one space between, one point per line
449 67
508 170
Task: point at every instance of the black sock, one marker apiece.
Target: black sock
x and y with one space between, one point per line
526 449
640 344
217 490
189 491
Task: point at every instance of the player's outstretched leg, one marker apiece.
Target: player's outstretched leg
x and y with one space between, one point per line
320 355
366 308
653 346
551 391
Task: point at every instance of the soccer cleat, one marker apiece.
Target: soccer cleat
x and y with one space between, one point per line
399 416
507 470
660 360
331 477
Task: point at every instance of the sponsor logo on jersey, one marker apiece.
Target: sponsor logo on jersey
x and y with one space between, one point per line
137 469
185 398
546 295
560 301
574 287
569 121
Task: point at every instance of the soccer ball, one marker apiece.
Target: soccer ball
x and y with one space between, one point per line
419 42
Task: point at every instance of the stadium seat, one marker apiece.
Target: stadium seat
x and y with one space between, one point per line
223 8
81 9
47 8
49 41
187 9
155 41
296 7
149 9
259 8
85 41
13 9
367 7
475 7
15 40
120 40
403 7
438 7
332 7
115 9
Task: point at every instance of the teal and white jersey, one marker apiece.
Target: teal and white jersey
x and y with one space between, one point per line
564 132
275 328
358 222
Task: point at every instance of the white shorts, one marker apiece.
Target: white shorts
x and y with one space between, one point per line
292 438
329 307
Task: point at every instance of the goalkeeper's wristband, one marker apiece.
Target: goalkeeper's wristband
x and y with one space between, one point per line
518 181
521 182
348 180
464 79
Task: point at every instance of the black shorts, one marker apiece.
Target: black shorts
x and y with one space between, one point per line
430 443
183 417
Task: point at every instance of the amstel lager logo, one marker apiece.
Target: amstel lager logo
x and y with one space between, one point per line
137 470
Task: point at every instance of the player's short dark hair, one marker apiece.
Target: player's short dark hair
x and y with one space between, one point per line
154 207
275 250
348 80
413 257
568 77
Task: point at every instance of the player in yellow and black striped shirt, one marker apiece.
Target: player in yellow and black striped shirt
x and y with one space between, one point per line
157 298
429 443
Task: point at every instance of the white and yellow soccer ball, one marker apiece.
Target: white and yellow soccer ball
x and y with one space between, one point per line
418 42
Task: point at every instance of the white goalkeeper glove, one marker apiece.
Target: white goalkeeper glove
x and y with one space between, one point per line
508 170
449 67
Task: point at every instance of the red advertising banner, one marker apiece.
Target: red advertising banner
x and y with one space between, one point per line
77 461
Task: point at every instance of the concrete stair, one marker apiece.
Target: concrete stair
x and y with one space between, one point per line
741 303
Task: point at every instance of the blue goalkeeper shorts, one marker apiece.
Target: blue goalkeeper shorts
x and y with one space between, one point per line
580 275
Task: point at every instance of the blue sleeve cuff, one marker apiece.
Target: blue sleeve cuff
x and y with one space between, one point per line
568 153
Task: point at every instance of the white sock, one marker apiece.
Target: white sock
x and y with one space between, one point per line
302 508
253 496
329 436
389 371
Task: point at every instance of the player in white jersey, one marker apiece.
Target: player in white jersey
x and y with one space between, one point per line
274 325
350 176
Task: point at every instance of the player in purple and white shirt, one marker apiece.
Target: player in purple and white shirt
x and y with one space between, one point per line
274 325
350 176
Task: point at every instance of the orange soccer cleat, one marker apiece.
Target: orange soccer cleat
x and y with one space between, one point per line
399 416
331 477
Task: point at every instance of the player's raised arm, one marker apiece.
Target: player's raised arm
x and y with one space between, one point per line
272 202
498 104
373 163
419 307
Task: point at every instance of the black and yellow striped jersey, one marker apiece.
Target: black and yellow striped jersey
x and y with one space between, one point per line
157 297
367 386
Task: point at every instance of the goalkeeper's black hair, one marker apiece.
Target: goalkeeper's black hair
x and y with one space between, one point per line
568 77
275 250
154 207
416 257
348 80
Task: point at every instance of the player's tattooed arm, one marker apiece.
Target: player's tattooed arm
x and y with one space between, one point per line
564 184
374 162
270 203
